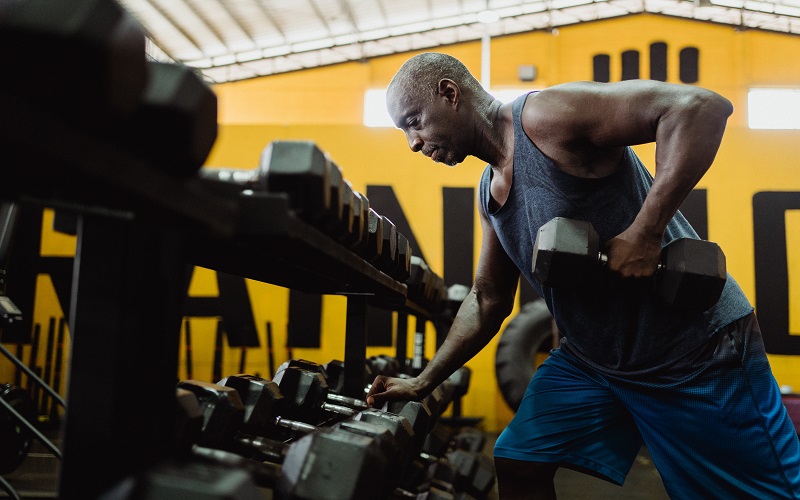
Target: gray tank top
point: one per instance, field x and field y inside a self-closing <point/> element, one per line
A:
<point x="616" y="325"/>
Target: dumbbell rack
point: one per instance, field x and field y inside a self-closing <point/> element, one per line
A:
<point x="139" y="232"/>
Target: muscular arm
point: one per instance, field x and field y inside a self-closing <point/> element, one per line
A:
<point x="478" y="320"/>
<point x="584" y="127"/>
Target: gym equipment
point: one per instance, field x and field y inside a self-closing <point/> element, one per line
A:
<point x="467" y="472"/>
<point x="306" y="396"/>
<point x="16" y="438"/>
<point x="359" y="211"/>
<point x="302" y="170"/>
<point x="215" y="475"/>
<point x="416" y="413"/>
<point x="360" y="221"/>
<point x="375" y="228"/>
<point x="82" y="60"/>
<point x="174" y="126"/>
<point x="404" y="252"/>
<point x="386" y="261"/>
<point x="333" y="464"/>
<point x="691" y="273"/>
<point x="306" y="464"/>
<point x="425" y="287"/>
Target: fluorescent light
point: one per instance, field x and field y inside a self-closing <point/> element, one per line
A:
<point x="488" y="16"/>
<point x="375" y="113"/>
<point x="774" y="109"/>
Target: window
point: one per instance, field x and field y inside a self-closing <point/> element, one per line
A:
<point x="773" y="108"/>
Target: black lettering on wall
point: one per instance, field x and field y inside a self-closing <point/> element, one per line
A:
<point x="771" y="269"/>
<point x="459" y="235"/>
<point x="658" y="61"/>
<point x="233" y="305"/>
<point x="630" y="65"/>
<point x="689" y="58"/>
<point x="379" y="327"/>
<point x="601" y="68"/>
<point x="305" y="320"/>
<point x="24" y="263"/>
<point x="689" y="70"/>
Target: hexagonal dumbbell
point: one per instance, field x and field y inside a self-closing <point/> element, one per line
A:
<point x="691" y="273"/>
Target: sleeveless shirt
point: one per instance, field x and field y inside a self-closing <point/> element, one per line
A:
<point x="616" y="325"/>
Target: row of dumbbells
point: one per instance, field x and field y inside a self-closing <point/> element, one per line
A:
<point x="320" y="195"/>
<point x="295" y="437"/>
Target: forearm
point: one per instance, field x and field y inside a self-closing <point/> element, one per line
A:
<point x="687" y="140"/>
<point x="478" y="320"/>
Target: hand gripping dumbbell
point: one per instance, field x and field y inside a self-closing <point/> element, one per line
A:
<point x="326" y="463"/>
<point x="395" y="433"/>
<point x="691" y="273"/>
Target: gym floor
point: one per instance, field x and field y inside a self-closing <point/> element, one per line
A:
<point x="643" y="482"/>
<point x="36" y="479"/>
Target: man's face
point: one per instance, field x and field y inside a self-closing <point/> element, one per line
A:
<point x="432" y="127"/>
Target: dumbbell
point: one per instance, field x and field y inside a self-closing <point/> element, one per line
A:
<point x="223" y="422"/>
<point x="691" y="273"/>
<point x="83" y="61"/>
<point x="361" y="208"/>
<point x="393" y="432"/>
<point x="307" y="397"/>
<point x="404" y="252"/>
<point x="386" y="261"/>
<point x="419" y="279"/>
<point x="374" y="237"/>
<point x="174" y="126"/>
<point x="307" y="468"/>
<point x="315" y="185"/>
<point x="16" y="438"/>
<point x="416" y="413"/>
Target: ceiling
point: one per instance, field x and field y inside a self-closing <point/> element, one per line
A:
<point x="229" y="40"/>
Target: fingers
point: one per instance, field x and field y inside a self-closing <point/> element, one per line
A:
<point x="377" y="388"/>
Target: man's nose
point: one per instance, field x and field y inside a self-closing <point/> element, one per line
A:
<point x="414" y="142"/>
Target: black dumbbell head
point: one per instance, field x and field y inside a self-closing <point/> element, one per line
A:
<point x="565" y="252"/>
<point x="83" y="60"/>
<point x="357" y="464"/>
<point x="692" y="274"/>
<point x="262" y="400"/>
<point x="403" y="267"/>
<point x="223" y="411"/>
<point x="375" y="229"/>
<point x="304" y="392"/>
<point x="174" y="126"/>
<point x="300" y="169"/>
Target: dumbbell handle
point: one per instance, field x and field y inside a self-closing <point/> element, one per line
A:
<point x="304" y="428"/>
<point x="294" y="425"/>
<point x="602" y="259"/>
<point x="338" y="399"/>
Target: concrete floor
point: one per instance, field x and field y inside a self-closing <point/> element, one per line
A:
<point x="643" y="482"/>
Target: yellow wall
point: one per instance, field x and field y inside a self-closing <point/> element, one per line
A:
<point x="325" y="105"/>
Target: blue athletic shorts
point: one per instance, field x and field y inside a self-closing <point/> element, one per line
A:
<point x="719" y="431"/>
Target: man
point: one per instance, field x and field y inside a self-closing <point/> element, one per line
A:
<point x="694" y="387"/>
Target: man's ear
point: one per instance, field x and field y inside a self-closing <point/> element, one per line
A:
<point x="450" y="90"/>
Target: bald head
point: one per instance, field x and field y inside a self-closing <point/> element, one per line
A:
<point x="418" y="78"/>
